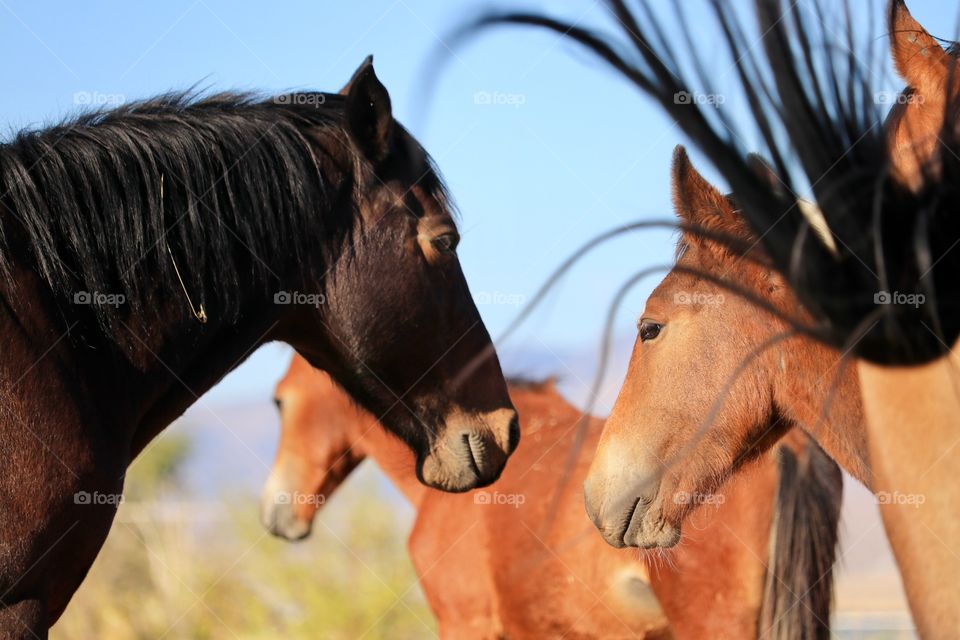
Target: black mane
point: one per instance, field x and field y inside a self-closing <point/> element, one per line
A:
<point x="243" y="179"/>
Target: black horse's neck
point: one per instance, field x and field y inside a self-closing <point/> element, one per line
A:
<point x="116" y="227"/>
<point x="190" y="363"/>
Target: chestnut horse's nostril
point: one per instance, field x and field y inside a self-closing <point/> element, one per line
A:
<point x="591" y="505"/>
<point x="279" y="517"/>
<point x="513" y="435"/>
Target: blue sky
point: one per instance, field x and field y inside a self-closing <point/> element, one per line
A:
<point x="562" y="151"/>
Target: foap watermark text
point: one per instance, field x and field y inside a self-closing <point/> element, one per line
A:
<point x="903" y="299"/>
<point x="298" y="298"/>
<point x="496" y="498"/>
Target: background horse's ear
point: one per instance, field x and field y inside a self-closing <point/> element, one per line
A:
<point x="368" y="112"/>
<point x="696" y="201"/>
<point x="811" y="212"/>
<point x="765" y="172"/>
<point x="919" y="58"/>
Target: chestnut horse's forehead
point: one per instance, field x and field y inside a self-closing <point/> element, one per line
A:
<point x="664" y="296"/>
<point x="684" y="286"/>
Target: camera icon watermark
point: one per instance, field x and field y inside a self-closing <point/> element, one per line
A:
<point x="301" y="99"/>
<point x="515" y="500"/>
<point x="897" y="498"/>
<point x="914" y="300"/>
<point x="96" y="498"/>
<point x="298" y="498"/>
<point x="499" y="298"/>
<point x="898" y="97"/>
<point x="695" y="297"/>
<point x="98" y="99"/>
<point x="99" y="299"/>
<point x="315" y="300"/>
<point x="687" y="98"/>
<point x="684" y="497"/>
<point x="499" y="98"/>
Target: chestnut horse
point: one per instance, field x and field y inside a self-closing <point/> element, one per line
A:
<point x="495" y="572"/>
<point x="655" y="444"/>
<point x="147" y="250"/>
<point x="890" y="198"/>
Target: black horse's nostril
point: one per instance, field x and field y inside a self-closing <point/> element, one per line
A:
<point x="514" y="435"/>
<point x="473" y="451"/>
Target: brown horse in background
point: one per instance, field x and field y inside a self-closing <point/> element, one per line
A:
<point x="746" y="560"/>
<point x="916" y="121"/>
<point x="147" y="250"/>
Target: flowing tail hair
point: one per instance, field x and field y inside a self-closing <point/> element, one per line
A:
<point x="798" y="595"/>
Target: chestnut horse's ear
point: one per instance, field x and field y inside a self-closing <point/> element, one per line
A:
<point x="919" y="58"/>
<point x="368" y="112"/>
<point x="695" y="201"/>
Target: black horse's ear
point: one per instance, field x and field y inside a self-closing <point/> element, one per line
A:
<point x="368" y="113"/>
<point x="367" y="62"/>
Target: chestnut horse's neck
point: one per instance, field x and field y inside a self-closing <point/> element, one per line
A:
<point x="818" y="390"/>
<point x="912" y="417"/>
<point x="393" y="457"/>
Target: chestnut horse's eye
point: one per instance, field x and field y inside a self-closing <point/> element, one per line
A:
<point x="649" y="330"/>
<point x="446" y="243"/>
<point x="279" y="405"/>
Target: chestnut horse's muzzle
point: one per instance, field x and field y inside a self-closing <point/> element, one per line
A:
<point x="628" y="512"/>
<point x="283" y="512"/>
<point x="282" y="520"/>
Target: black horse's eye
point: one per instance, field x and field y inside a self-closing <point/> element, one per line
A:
<point x="649" y="330"/>
<point x="446" y="243"/>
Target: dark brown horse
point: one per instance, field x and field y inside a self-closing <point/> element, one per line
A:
<point x="490" y="569"/>
<point x="146" y="251"/>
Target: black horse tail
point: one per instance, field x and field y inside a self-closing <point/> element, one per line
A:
<point x="798" y="596"/>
